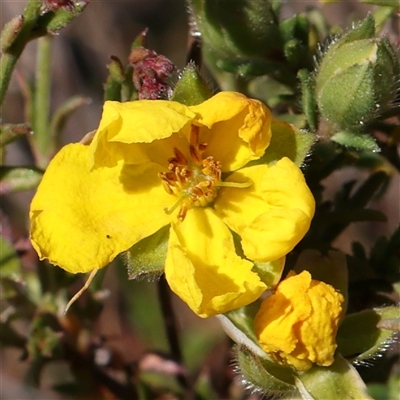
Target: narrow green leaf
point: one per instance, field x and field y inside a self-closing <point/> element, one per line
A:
<point x="16" y="179"/>
<point x="308" y="100"/>
<point x="361" y="141"/>
<point x="10" y="32"/>
<point x="11" y="132"/>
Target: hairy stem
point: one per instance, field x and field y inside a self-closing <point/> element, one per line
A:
<point x="170" y="327"/>
<point x="10" y="57"/>
<point x="41" y="106"/>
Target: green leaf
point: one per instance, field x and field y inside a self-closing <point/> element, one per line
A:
<point x="147" y="258"/>
<point x="116" y="76"/>
<point x="308" y="100"/>
<point x="191" y="88"/>
<point x="265" y="376"/>
<point x="337" y="382"/>
<point x="16" y="179"/>
<point x="10" y="31"/>
<point x="359" y="141"/>
<point x="11" y="132"/>
<point x="360" y="337"/>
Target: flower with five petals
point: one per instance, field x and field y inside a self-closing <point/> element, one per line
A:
<point x="157" y="163"/>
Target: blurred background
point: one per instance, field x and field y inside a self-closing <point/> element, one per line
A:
<point x="130" y="323"/>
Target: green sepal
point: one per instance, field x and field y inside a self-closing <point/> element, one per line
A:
<point x="308" y="100"/>
<point x="16" y="179"/>
<point x="364" y="30"/>
<point x="191" y="88"/>
<point x="53" y="21"/>
<point x="140" y="40"/>
<point x="146" y="259"/>
<point x="257" y="368"/>
<point x="347" y="98"/>
<point x="336" y="382"/>
<point x="287" y="141"/>
<point x="356" y="79"/>
<point x="116" y="76"/>
<point x="262" y="375"/>
<point x="359" y="141"/>
<point x="364" y="334"/>
<point x="270" y="272"/>
<point x="330" y="268"/>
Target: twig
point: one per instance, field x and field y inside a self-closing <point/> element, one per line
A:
<point x="171" y="331"/>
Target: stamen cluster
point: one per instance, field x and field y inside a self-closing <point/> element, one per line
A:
<point x="194" y="181"/>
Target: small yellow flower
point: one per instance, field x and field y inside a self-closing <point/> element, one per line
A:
<point x="157" y="163"/>
<point x="297" y="325"/>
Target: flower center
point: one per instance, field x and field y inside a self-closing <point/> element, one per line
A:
<point x="195" y="181"/>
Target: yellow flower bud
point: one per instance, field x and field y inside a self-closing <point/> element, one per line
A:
<point x="297" y="325"/>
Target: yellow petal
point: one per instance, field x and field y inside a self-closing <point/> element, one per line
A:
<point x="126" y="130"/>
<point x="238" y="128"/>
<point x="319" y="332"/>
<point x="297" y="325"/>
<point x="82" y="220"/>
<point x="203" y="269"/>
<point x="273" y="214"/>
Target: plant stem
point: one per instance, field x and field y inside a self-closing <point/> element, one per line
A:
<point x="41" y="105"/>
<point x="170" y="327"/>
<point x="10" y="57"/>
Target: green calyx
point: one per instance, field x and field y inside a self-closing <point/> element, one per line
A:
<point x="357" y="77"/>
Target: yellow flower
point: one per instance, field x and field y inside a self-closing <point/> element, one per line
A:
<point x="297" y="325"/>
<point x="155" y="163"/>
